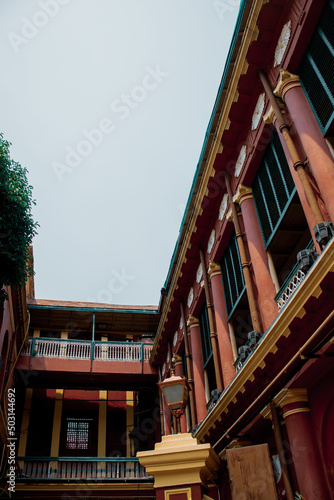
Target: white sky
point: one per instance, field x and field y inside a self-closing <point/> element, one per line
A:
<point x="108" y="225"/>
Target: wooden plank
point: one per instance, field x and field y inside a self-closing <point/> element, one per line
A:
<point x="251" y="473"/>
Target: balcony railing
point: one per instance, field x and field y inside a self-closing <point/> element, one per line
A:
<point x="89" y="350"/>
<point x="81" y="468"/>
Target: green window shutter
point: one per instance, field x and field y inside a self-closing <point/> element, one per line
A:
<point x="205" y="335"/>
<point x="316" y="71"/>
<point x="273" y="189"/>
<point x="232" y="275"/>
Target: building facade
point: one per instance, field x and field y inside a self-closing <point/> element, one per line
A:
<point x="246" y="312"/>
<point x="248" y="317"/>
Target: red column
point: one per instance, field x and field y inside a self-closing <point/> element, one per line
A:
<point x="198" y="369"/>
<point x="224" y="342"/>
<point x="296" y="179"/>
<point x="258" y="256"/>
<point x="304" y="449"/>
<point x="179" y="373"/>
<point x="311" y="137"/>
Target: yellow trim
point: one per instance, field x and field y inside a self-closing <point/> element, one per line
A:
<point x="243" y="193"/>
<point x="286" y="82"/>
<point x="102" y="428"/>
<point x="37" y="333"/>
<point x="178" y="492"/>
<point x="295" y="410"/>
<point x="129" y="421"/>
<point x="230" y="96"/>
<point x="192" y="321"/>
<point x="25" y="423"/>
<point x="55" y="440"/>
<point x="288" y="396"/>
<point x="280" y="328"/>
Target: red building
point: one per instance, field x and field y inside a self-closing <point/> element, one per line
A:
<point x="246" y="312"/>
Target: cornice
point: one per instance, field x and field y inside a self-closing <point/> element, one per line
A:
<point x="243" y="193"/>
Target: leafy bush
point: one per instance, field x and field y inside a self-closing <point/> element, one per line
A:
<point x="17" y="227"/>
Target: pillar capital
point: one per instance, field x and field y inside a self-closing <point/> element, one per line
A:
<point x="192" y="321"/>
<point x="242" y="194"/>
<point x="286" y="397"/>
<point x="286" y="82"/>
<point x="214" y="268"/>
<point x="176" y="358"/>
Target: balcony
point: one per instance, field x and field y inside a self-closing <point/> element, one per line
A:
<point x="119" y="362"/>
<point x="81" y="469"/>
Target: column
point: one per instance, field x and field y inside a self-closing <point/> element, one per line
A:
<point x="129" y="421"/>
<point x="179" y="373"/>
<point x="21" y="452"/>
<point x="55" y="439"/>
<point x="270" y="117"/>
<point x="224" y="342"/>
<point x="102" y="432"/>
<point x="63" y="345"/>
<point x="198" y="370"/>
<point x="314" y="144"/>
<point x="258" y="256"/>
<point x="304" y="448"/>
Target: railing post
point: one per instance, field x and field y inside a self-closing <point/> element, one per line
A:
<point x="93" y="340"/>
<point x="32" y="347"/>
<point x="142" y="352"/>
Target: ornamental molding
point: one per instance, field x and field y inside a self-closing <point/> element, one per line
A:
<point x="223" y="207"/>
<point x="168" y="357"/>
<point x="292" y="396"/>
<point x="229" y="216"/>
<point x="211" y="241"/>
<point x="286" y="82"/>
<point x="199" y="274"/>
<point x="258" y="111"/>
<point x="176" y="335"/>
<point x="240" y="161"/>
<point x="181" y="323"/>
<point x="192" y="321"/>
<point x="243" y="193"/>
<point x="270" y="116"/>
<point x="190" y="297"/>
<point x="282" y="44"/>
<point x="163" y="369"/>
<point x="214" y="268"/>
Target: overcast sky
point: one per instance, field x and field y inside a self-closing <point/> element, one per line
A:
<point x="106" y="102"/>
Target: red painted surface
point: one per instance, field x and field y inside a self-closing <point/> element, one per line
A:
<point x="198" y="372"/>
<point x="305" y="453"/>
<point x="225" y="348"/>
<point x="258" y="255"/>
<point x="313" y="143"/>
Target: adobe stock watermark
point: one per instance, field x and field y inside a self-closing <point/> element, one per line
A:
<point x="121" y="109"/>
<point x="40" y="19"/>
<point x="117" y="284"/>
<point x="223" y="7"/>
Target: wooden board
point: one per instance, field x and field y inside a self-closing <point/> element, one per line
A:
<point x="251" y="473"/>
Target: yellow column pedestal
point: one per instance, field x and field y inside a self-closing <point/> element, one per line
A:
<point x="179" y="459"/>
<point x="102" y="433"/>
<point x="55" y="440"/>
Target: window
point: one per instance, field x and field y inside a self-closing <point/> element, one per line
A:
<point x="316" y="70"/>
<point x="205" y="335"/>
<point x="77" y="435"/>
<point x="232" y="276"/>
<point x="273" y="189"/>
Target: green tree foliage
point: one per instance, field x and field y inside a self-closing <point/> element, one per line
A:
<point x="17" y="227"/>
